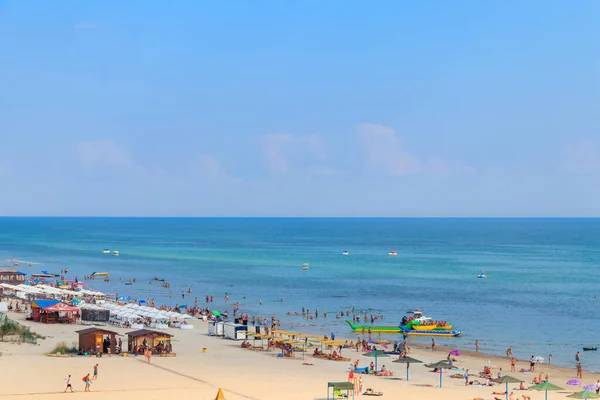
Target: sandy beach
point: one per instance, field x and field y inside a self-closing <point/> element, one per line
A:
<point x="242" y="374"/>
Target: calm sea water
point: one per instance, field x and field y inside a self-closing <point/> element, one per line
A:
<point x="540" y="295"/>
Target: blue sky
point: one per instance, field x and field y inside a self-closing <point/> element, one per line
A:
<point x="308" y="108"/>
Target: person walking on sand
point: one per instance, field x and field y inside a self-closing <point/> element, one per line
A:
<point x="509" y="352"/>
<point x="69" y="387"/>
<point x="360" y="384"/>
<point x="87" y="381"/>
<point x="96" y="372"/>
<point x="476" y="346"/>
<point x="432" y="344"/>
<point x="579" y="371"/>
<point x="466" y="376"/>
<point x="513" y="362"/>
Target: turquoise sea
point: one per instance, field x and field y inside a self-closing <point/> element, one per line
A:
<point x="539" y="297"/>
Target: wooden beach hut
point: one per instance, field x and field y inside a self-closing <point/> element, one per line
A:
<point x="97" y="340"/>
<point x="53" y="311"/>
<point x="158" y="342"/>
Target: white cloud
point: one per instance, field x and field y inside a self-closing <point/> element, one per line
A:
<point x="103" y="153"/>
<point x="283" y="150"/>
<point x="384" y="149"/>
<point x="207" y="166"/>
<point x="582" y="157"/>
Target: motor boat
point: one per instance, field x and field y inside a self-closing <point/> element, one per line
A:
<point x="482" y="275"/>
<point x="345" y="253"/>
<point x="305" y="266"/>
<point x="115" y="253"/>
<point x="393" y="253"/>
<point x="106" y="251"/>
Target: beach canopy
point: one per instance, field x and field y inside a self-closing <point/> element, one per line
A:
<point x="407" y="360"/>
<point x="335" y="386"/>
<point x="584" y="394"/>
<point x="376" y="354"/>
<point x="216" y="313"/>
<point x="545" y="386"/>
<point x="507" y="379"/>
<point x="573" y="382"/>
<point x="440" y="365"/>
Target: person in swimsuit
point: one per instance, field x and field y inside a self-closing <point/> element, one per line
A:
<point x="95" y="371"/>
<point x="88" y="382"/>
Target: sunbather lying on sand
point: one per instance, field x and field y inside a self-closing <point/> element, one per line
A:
<point x="371" y="392"/>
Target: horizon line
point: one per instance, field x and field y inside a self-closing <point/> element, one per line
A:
<point x="298" y="217"/>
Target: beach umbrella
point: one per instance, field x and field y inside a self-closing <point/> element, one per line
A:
<point x="407" y="360"/>
<point x="376" y="354"/>
<point x="455" y="353"/>
<point x="216" y="313"/>
<point x="440" y="365"/>
<point x="507" y="379"/>
<point x="573" y="382"/>
<point x="545" y="386"/>
<point x="584" y="394"/>
<point x="591" y="386"/>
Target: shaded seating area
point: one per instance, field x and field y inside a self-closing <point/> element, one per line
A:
<point x="98" y="341"/>
<point x="158" y="342"/>
<point x="340" y="389"/>
<point x="53" y="312"/>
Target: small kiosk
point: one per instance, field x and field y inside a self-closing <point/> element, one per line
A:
<point x="215" y="328"/>
<point x="234" y="331"/>
<point x="158" y="342"/>
<point x="97" y="340"/>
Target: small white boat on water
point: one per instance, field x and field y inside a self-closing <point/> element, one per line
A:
<point x="345" y="253"/>
<point x="305" y="266"/>
<point x="393" y="253"/>
<point x="115" y="253"/>
<point x="106" y="251"/>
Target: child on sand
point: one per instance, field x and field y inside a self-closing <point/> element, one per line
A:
<point x="95" y="371"/>
<point x="69" y="387"/>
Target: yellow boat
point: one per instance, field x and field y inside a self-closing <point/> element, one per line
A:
<point x="432" y="327"/>
<point x="100" y="274"/>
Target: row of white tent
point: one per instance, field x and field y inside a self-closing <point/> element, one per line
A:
<point x="50" y="290"/>
<point x="133" y="311"/>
